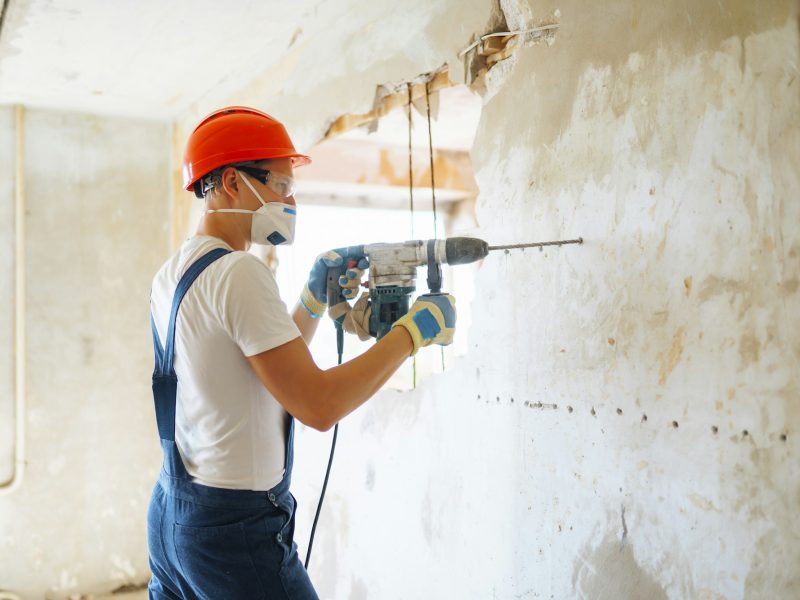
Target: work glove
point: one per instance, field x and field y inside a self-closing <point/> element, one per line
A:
<point x="314" y="296"/>
<point x="356" y="318"/>
<point x="430" y="320"/>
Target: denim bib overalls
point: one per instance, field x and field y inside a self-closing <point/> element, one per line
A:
<point x="212" y="543"/>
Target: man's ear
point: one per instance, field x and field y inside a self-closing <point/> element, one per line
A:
<point x="230" y="182"/>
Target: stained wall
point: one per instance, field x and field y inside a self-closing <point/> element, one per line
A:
<point x="592" y="441"/>
<point x="96" y="223"/>
<point x="625" y="424"/>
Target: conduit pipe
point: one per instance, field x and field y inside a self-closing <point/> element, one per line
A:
<point x="20" y="351"/>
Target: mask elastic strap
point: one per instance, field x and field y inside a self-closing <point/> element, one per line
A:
<point x="231" y="210"/>
<point x="241" y="210"/>
<point x="252" y="189"/>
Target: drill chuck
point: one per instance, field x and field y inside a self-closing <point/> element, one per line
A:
<point x="465" y="250"/>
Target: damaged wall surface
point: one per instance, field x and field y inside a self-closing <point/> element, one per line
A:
<point x="97" y="193"/>
<point x="626" y="422"/>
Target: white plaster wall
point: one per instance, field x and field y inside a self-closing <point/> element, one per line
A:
<point x="666" y="135"/>
<point x="97" y="205"/>
<point x="571" y="453"/>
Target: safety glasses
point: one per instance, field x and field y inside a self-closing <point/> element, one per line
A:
<point x="283" y="185"/>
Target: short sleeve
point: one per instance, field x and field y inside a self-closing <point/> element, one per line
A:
<point x="252" y="311"/>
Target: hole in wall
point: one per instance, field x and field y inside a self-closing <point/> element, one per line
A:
<point x="675" y="424"/>
<point x="360" y="175"/>
<point x="500" y="43"/>
<point x="714" y="429"/>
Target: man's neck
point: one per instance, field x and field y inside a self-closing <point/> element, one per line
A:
<point x="227" y="232"/>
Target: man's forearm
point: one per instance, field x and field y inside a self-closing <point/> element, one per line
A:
<point x="349" y="385"/>
<point x="305" y="322"/>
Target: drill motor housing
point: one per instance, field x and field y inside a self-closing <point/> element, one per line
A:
<point x="393" y="272"/>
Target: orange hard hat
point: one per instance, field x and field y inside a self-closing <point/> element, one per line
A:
<point x="235" y="134"/>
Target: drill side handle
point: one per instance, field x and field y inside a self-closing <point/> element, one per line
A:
<point x="434" y="269"/>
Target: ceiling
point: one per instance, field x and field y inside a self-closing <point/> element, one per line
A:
<point x="157" y="58"/>
<point x="161" y="59"/>
<point x="141" y="58"/>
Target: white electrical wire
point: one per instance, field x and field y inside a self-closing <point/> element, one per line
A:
<point x="505" y="33"/>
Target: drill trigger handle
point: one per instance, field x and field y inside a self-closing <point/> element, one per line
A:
<point x="334" y="290"/>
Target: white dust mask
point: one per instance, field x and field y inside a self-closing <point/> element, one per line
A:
<point x="273" y="222"/>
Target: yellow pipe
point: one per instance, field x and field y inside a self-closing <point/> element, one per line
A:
<point x="20" y="352"/>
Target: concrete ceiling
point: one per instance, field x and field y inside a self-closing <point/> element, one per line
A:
<point x="160" y="59"/>
<point x="157" y="59"/>
<point x="144" y="58"/>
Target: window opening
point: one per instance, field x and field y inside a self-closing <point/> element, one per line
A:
<point x="357" y="191"/>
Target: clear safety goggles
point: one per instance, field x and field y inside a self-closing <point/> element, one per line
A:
<point x="283" y="185"/>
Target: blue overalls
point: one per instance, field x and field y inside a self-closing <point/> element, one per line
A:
<point x="212" y="543"/>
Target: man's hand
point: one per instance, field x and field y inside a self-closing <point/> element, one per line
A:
<point x="356" y="319"/>
<point x="430" y="320"/>
<point x="315" y="293"/>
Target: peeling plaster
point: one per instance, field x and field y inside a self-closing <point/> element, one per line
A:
<point x="548" y="461"/>
<point x="96" y="235"/>
<point x="668" y="138"/>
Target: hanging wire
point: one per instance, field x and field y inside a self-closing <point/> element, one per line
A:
<point x="411" y="198"/>
<point x="433" y="180"/>
<point x="410" y="163"/>
<point x="430" y="153"/>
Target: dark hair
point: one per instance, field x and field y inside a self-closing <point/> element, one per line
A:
<point x="213" y="179"/>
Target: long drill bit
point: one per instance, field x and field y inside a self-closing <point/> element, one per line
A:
<point x="536" y="244"/>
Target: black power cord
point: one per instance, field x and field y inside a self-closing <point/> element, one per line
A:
<point x="340" y="350"/>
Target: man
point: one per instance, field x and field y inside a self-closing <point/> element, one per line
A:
<point x="233" y="371"/>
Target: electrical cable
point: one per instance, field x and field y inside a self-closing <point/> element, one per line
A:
<point x="430" y="153"/>
<point x="340" y="351"/>
<point x="3" y="11"/>
<point x="410" y="163"/>
<point x="340" y="331"/>
<point x="433" y="180"/>
<point x="507" y="33"/>
<point x="411" y="197"/>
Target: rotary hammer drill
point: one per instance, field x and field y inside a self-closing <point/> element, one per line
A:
<point x="393" y="272"/>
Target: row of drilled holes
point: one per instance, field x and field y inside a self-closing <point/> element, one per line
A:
<point x="674" y="424"/>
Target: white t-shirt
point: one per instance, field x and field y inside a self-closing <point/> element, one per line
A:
<point x="229" y="430"/>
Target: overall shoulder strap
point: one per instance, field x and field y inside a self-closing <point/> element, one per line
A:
<point x="164" y="358"/>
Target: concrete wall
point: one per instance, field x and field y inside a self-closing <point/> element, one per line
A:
<point x="97" y="206"/>
<point x="626" y="422"/>
<point x="591" y="443"/>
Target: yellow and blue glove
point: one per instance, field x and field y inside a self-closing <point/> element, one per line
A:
<point x="430" y="320"/>
<point x="314" y="296"/>
<point x="355" y="319"/>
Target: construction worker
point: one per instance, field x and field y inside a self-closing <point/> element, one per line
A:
<point x="233" y="371"/>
